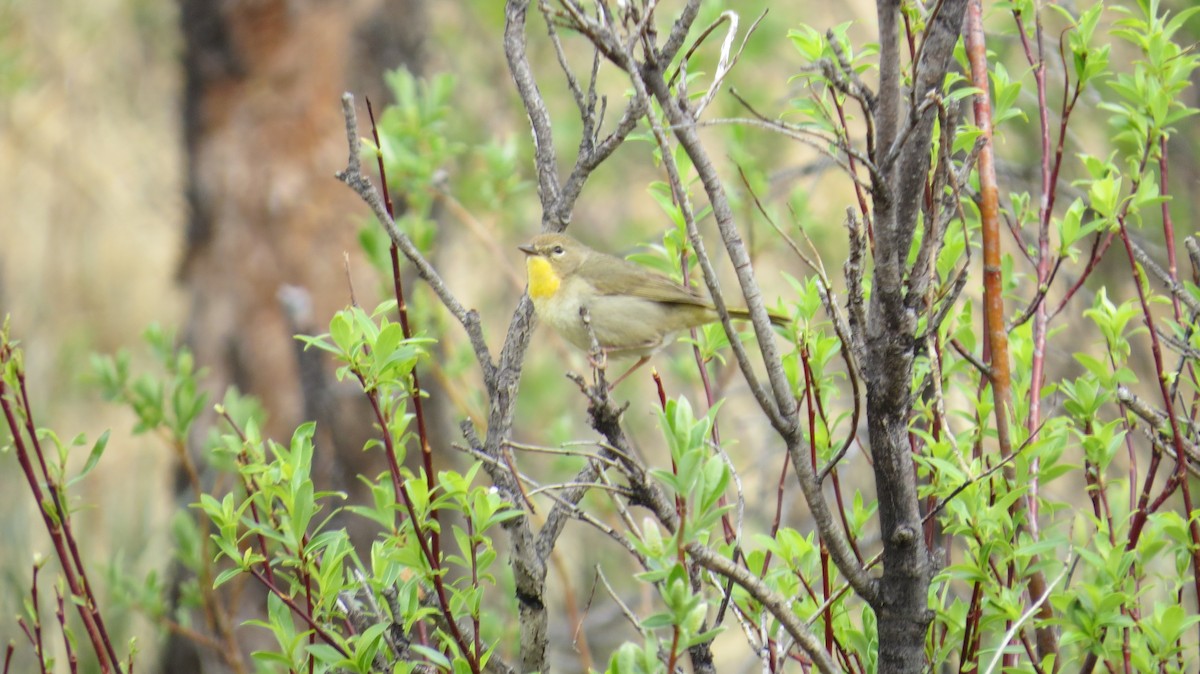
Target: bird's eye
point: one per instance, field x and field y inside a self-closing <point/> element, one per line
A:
<point x="558" y="250"/>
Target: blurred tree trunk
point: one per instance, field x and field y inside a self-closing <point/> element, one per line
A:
<point x="264" y="135"/>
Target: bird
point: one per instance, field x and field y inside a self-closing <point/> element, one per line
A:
<point x="634" y="311"/>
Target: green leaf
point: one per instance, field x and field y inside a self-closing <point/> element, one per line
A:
<point x="93" y="458"/>
<point x="341" y="330"/>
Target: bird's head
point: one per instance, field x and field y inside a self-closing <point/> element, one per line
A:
<point x="550" y="258"/>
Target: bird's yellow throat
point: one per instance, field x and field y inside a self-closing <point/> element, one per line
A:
<point x="543" y="280"/>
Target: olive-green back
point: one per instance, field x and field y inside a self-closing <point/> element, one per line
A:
<point x="611" y="275"/>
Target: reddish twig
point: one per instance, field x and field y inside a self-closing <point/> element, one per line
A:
<point x="989" y="208"/>
<point x="51" y="507"/>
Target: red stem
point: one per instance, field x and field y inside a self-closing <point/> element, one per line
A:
<point x="402" y="309"/>
<point x="435" y="562"/>
<point x="432" y="550"/>
<point x="709" y="395"/>
<point x="859" y="192"/>
<point x="1045" y="210"/>
<point x="59" y="534"/>
<point x="251" y="487"/>
<point x="304" y="615"/>
<point x="970" y="644"/>
<point x="61" y="504"/>
<point x="1161" y="376"/>
<point x="1172" y="272"/>
<point x="780" y="490"/>
<point x="61" y="614"/>
<point x="39" y="646"/>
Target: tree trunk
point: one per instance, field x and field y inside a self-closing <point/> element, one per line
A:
<point x="902" y="605"/>
<point x="264" y="136"/>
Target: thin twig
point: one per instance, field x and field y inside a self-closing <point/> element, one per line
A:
<point x="354" y="178"/>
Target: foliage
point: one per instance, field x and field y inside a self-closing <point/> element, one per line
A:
<point x="1053" y="487"/>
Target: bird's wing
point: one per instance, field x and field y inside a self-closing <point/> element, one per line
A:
<point x="612" y="277"/>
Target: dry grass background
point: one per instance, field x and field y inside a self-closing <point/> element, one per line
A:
<point x="91" y="219"/>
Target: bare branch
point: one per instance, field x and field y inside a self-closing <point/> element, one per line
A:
<point x="776" y="604"/>
<point x="1174" y="287"/>
<point x="545" y="159"/>
<point x="781" y="410"/>
<point x="353" y="177"/>
<point x="1159" y="422"/>
<point x="811" y="138"/>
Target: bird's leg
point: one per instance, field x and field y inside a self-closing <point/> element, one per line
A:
<point x="598" y="359"/>
<point x="641" y="362"/>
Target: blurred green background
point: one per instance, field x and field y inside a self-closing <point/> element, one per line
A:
<point x="93" y="216"/>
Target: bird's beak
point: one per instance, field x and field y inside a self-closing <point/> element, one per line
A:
<point x="528" y="249"/>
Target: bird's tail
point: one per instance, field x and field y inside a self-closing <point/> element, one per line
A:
<point x="777" y="318"/>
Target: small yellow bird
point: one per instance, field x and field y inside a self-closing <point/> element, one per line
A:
<point x="634" y="311"/>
